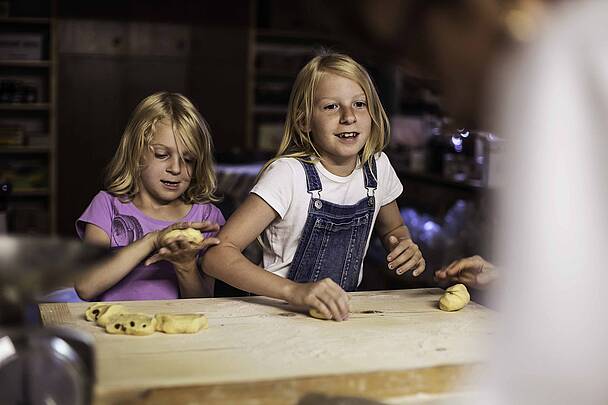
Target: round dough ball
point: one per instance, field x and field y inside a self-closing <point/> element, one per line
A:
<point x="190" y="234"/>
<point x="455" y="298"/>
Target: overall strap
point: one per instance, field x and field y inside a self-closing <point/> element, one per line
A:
<point x="370" y="174"/>
<point x="313" y="182"/>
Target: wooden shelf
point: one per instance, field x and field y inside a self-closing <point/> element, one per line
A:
<point x="25" y="63"/>
<point x="5" y="150"/>
<point x="24" y="106"/>
<point x="271" y="35"/>
<point x="34" y="192"/>
<point x="475" y="185"/>
<point x="25" y="20"/>
<point x="276" y="76"/>
<point x="40" y="155"/>
<point x="270" y="109"/>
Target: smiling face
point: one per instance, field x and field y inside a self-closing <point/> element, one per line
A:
<point x="340" y="124"/>
<point x="167" y="166"/>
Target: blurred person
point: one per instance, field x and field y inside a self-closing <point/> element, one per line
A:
<point x="536" y="73"/>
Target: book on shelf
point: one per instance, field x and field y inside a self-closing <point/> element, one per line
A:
<point x="11" y="136"/>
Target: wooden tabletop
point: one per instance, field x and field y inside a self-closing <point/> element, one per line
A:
<point x="257" y="350"/>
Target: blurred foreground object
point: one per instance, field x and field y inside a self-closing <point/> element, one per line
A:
<point x="552" y="100"/>
<point x="42" y="365"/>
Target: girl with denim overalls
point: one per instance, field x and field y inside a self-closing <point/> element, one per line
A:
<point x="315" y="204"/>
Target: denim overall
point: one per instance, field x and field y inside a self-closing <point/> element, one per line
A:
<point x="334" y="236"/>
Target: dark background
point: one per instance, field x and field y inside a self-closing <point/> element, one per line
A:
<point x="236" y="60"/>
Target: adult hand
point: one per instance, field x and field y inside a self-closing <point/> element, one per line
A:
<point x="471" y="271"/>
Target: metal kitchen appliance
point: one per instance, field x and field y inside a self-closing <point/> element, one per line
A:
<point x="42" y="365"/>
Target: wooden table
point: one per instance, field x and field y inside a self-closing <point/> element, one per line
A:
<point x="396" y="345"/>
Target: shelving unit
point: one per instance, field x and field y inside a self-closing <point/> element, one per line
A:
<point x="28" y="118"/>
<point x="278" y="56"/>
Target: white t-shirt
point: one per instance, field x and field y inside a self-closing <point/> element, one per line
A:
<point x="283" y="187"/>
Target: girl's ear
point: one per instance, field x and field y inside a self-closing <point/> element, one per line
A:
<point x="303" y="126"/>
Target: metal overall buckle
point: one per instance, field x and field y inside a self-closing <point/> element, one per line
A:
<point x="370" y="197"/>
<point x="317" y="199"/>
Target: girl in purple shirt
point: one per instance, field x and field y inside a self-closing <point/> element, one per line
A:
<point x="161" y="178"/>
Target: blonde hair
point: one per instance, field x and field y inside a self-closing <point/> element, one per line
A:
<point x="124" y="171"/>
<point x="296" y="142"/>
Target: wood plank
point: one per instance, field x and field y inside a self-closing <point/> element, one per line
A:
<point x="55" y="314"/>
<point x="426" y="384"/>
<point x="258" y="340"/>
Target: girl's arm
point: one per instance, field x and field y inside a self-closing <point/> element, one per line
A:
<point x="181" y="253"/>
<point x="404" y="255"/>
<point x="226" y="262"/>
<point x="104" y="276"/>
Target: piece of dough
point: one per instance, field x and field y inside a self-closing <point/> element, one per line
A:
<point x="180" y="323"/>
<point x="455" y="298"/>
<point x="190" y="234"/>
<point x="94" y="311"/>
<point x="319" y="315"/>
<point x="131" y="324"/>
<point x="110" y="312"/>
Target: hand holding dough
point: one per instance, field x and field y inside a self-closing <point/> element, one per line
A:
<point x="319" y="315"/>
<point x="455" y="298"/>
<point x="190" y="234"/>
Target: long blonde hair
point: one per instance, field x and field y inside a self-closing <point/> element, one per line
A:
<point x="296" y="141"/>
<point x="124" y="171"/>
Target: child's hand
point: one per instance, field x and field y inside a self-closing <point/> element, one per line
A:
<point x="325" y="296"/>
<point x="179" y="250"/>
<point x="405" y="256"/>
<point x="471" y="271"/>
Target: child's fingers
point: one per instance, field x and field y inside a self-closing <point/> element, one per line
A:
<point x="321" y="307"/>
<point x="209" y="242"/>
<point x="420" y="267"/>
<point x="153" y="259"/>
<point x="397" y="250"/>
<point x="399" y="260"/>
<point x="337" y="305"/>
<point x="340" y="298"/>
<point x="334" y="309"/>
<point x="333" y="296"/>
<point x="179" y="225"/>
<point x="206" y="226"/>
<point x="409" y="264"/>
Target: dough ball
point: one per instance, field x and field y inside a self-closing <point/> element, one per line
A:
<point x="455" y="298"/>
<point x="190" y="234"/>
<point x="131" y="324"/>
<point x="319" y="315"/>
<point x="110" y="312"/>
<point x="180" y="323"/>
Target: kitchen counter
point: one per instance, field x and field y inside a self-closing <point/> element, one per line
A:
<point x="396" y="344"/>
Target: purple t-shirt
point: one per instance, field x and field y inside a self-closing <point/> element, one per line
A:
<point x="125" y="223"/>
